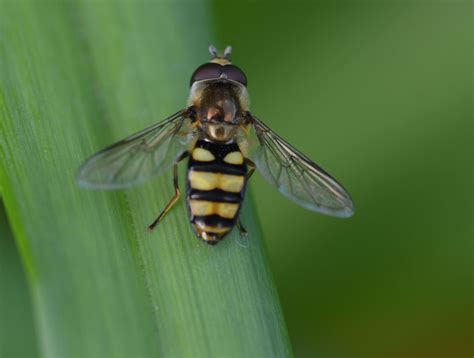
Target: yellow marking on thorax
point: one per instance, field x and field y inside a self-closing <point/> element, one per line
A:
<point x="204" y="207"/>
<point x="203" y="155"/>
<point x="210" y="181"/>
<point x="234" y="158"/>
<point x="221" y="61"/>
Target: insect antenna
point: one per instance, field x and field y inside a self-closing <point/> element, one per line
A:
<point x="214" y="54"/>
<point x="227" y="52"/>
<point x="213" y="51"/>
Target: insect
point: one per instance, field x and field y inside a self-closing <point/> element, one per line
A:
<point x="224" y="143"/>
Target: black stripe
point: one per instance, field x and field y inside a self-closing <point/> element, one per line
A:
<point x="214" y="221"/>
<point x="216" y="195"/>
<point x="223" y="168"/>
<point x="218" y="165"/>
<point x="220" y="150"/>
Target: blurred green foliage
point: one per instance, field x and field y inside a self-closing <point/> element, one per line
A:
<point x="380" y="94"/>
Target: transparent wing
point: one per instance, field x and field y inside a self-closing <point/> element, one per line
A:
<point x="139" y="157"/>
<point x="296" y="176"/>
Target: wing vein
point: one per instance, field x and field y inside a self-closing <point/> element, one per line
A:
<point x="295" y="175"/>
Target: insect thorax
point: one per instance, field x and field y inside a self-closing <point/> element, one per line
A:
<point x="219" y="99"/>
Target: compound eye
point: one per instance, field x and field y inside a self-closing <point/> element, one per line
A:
<point x="235" y="74"/>
<point x="208" y="71"/>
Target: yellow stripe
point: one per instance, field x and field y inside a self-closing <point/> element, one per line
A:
<point x="227" y="210"/>
<point x="210" y="181"/>
<point x="231" y="183"/>
<point x="203" y="155"/>
<point x="203" y="235"/>
<point x="203" y="180"/>
<point x="213" y="229"/>
<point x="234" y="158"/>
<point x="204" y="207"/>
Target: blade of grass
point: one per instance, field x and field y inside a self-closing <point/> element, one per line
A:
<point x="75" y="77"/>
<point x="17" y="335"/>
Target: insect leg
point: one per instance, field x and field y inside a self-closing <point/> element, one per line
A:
<point x="242" y="230"/>
<point x="251" y="168"/>
<point x="251" y="165"/>
<point x="174" y="199"/>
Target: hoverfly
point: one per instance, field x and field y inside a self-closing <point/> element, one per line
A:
<point x="224" y="143"/>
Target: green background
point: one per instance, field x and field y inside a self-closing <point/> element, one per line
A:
<point x="379" y="93"/>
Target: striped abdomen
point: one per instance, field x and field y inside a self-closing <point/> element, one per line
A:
<point x="215" y="188"/>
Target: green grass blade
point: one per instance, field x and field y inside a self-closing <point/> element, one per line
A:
<point x="17" y="334"/>
<point x="75" y="77"/>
